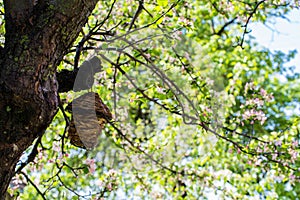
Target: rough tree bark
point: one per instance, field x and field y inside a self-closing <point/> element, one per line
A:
<point x="38" y="34"/>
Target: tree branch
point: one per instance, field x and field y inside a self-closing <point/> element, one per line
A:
<point x="247" y="22"/>
<point x="34" y="185"/>
<point x="31" y="156"/>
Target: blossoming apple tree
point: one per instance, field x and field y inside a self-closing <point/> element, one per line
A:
<point x="198" y="106"/>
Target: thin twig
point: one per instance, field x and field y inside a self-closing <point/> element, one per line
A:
<point x="247" y="22"/>
<point x="32" y="183"/>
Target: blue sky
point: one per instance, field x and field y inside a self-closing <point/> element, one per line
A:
<point x="285" y="38"/>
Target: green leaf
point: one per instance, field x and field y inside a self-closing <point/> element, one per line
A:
<point x="162" y="3"/>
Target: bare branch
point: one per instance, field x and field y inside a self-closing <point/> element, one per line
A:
<point x="247" y="22"/>
<point x="31" y="156"/>
<point x="35" y="186"/>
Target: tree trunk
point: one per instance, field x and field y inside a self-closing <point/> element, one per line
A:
<point x="37" y="37"/>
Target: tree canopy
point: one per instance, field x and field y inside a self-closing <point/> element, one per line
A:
<point x="198" y="106"/>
